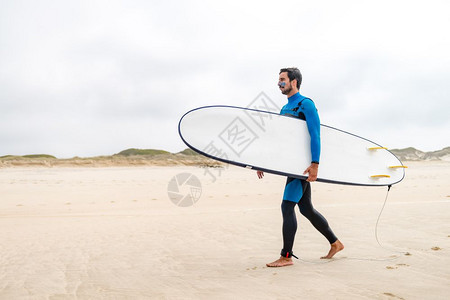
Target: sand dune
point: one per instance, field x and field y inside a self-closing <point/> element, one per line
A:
<point x="114" y="233"/>
<point x="109" y="161"/>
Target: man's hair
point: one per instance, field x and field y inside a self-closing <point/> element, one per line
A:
<point x="293" y="73"/>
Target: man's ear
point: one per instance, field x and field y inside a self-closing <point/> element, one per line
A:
<point x="294" y="83"/>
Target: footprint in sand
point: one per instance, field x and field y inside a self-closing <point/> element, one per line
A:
<point x="436" y="248"/>
<point x="392" y="295"/>
<point x="396" y="266"/>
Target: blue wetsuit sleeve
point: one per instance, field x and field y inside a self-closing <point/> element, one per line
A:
<point x="313" y="123"/>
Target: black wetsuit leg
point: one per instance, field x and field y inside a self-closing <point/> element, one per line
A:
<point x="289" y="224"/>
<point x="316" y="219"/>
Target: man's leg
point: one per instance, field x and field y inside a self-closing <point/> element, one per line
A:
<point x="318" y="221"/>
<point x="289" y="226"/>
<point x="289" y="230"/>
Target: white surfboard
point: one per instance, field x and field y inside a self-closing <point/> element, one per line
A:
<point x="280" y="144"/>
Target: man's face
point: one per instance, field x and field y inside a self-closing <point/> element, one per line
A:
<point x="284" y="83"/>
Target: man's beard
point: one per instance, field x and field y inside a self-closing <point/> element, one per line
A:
<point x="286" y="91"/>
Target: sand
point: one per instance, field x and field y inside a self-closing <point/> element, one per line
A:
<point x="114" y="233"/>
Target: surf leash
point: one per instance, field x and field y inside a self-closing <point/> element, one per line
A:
<point x="287" y="254"/>
<point x="379" y="216"/>
<point x="376" y="226"/>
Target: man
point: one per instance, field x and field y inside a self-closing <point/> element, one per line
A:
<point x="298" y="191"/>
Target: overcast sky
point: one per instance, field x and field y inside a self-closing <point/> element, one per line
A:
<point x="86" y="78"/>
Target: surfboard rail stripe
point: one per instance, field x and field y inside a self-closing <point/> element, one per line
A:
<point x="377" y="148"/>
<point x="398" y="167"/>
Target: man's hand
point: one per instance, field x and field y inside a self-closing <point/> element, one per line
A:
<point x="260" y="174"/>
<point x="312" y="172"/>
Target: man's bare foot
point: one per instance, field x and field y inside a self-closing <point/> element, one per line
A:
<point x="281" y="262"/>
<point x="335" y="248"/>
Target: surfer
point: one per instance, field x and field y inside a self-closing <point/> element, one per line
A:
<point x="298" y="191"/>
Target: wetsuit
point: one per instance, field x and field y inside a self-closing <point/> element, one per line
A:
<point x="298" y="191"/>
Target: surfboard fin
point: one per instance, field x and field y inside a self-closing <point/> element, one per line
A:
<point x="380" y="176"/>
<point x="377" y="148"/>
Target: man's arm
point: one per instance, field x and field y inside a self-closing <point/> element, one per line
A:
<point x="313" y="124"/>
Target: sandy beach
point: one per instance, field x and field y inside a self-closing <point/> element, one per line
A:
<point x="115" y="233"/>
